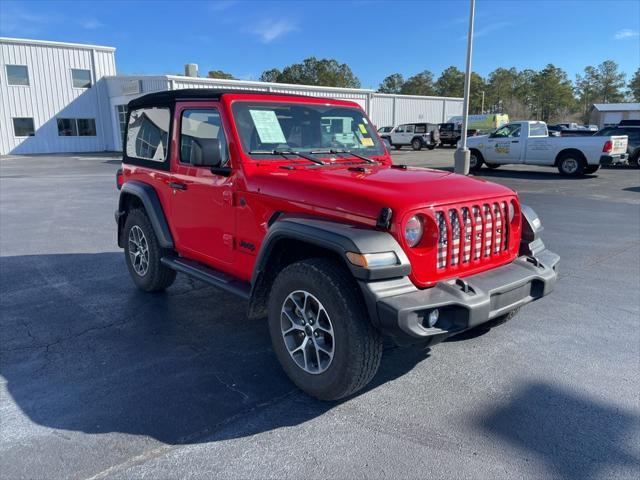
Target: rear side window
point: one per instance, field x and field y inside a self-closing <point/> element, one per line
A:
<point x="409" y="129"/>
<point x="198" y="127"/>
<point x="148" y="134"/>
<point x="538" y="130"/>
<point x="421" y="128"/>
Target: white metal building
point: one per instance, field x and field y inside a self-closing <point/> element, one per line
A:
<point x="51" y="99"/>
<point x="605" y="114"/>
<point x="62" y="97"/>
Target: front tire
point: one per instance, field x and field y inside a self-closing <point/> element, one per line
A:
<point x="492" y="166"/>
<point x="143" y="253"/>
<point x="320" y="330"/>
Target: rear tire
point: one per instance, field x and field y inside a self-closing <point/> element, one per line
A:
<point x="589" y="169"/>
<point x="143" y="253"/>
<point x="571" y="165"/>
<point x="475" y="161"/>
<point x="431" y="146"/>
<point x="298" y="328"/>
<point x="416" y="144"/>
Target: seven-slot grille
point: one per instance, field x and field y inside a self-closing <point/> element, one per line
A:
<point x="485" y="228"/>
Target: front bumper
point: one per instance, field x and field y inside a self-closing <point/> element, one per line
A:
<point x="613" y="159"/>
<point x="401" y="310"/>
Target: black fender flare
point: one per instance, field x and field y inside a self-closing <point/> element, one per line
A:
<point x="334" y="236"/>
<point x="151" y="203"/>
<point x="531" y="242"/>
<point x="339" y="238"/>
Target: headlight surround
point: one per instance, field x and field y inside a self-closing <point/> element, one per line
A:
<point x="413" y="231"/>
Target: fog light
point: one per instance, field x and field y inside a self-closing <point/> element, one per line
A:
<point x="433" y="317"/>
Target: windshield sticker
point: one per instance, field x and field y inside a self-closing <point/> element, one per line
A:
<point x="267" y="125"/>
<point x="367" y="142"/>
<point x="503" y="147"/>
<point x="362" y="128"/>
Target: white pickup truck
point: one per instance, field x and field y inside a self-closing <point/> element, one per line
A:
<point x="529" y="143"/>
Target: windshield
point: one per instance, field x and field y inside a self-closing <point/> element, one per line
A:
<point x="265" y="127"/>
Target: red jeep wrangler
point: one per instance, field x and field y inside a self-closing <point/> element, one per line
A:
<point x="294" y="204"/>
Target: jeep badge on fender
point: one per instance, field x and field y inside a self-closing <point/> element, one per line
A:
<point x="331" y="242"/>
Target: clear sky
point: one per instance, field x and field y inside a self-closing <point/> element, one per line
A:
<point x="376" y="38"/>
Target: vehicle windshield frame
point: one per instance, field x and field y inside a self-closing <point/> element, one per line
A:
<point x="240" y="107"/>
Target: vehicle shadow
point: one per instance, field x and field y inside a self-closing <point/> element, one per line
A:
<point x="577" y="437"/>
<point x="503" y="172"/>
<point x="83" y="350"/>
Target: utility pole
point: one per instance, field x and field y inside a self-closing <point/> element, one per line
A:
<point x="482" y="108"/>
<point x="462" y="155"/>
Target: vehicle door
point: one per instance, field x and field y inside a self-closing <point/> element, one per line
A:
<point x="397" y="135"/>
<point x="408" y="134"/>
<point x="540" y="147"/>
<point x="503" y="145"/>
<point x="202" y="203"/>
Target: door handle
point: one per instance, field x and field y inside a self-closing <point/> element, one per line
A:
<point x="177" y="186"/>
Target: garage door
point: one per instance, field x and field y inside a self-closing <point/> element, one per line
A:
<point x="611" y="118"/>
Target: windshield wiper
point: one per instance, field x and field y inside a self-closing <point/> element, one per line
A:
<point x="283" y="153"/>
<point x="348" y="152"/>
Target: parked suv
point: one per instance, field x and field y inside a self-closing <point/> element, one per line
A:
<point x="293" y="204"/>
<point x="451" y="133"/>
<point x="417" y="135"/>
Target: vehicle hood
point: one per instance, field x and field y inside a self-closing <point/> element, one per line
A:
<point x="476" y="139"/>
<point x="362" y="192"/>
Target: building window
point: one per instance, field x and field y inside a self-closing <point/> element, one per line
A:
<point x="86" y="127"/>
<point x="23" y="127"/>
<point x="67" y="127"/>
<point x="17" y="75"/>
<point x="121" y="113"/>
<point x="76" y="127"/>
<point x="148" y="133"/>
<point x="81" y="78"/>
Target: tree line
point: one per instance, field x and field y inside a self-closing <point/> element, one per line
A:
<point x="546" y="94"/>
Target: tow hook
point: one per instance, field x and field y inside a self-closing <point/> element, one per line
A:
<point x="535" y="261"/>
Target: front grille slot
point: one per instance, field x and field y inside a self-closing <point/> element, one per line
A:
<point x="471" y="233"/>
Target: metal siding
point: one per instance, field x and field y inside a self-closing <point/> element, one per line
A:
<point x="50" y="94"/>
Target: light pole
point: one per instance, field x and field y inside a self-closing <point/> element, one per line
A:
<point x="461" y="157"/>
<point x="482" y="107"/>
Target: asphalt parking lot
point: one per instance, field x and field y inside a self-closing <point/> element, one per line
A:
<point x="102" y="381"/>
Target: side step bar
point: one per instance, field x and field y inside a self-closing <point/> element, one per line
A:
<point x="208" y="275"/>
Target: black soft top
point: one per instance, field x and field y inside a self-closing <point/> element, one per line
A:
<point x="169" y="97"/>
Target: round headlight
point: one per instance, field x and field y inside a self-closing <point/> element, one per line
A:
<point x="413" y="231"/>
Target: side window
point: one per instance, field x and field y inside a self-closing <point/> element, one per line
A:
<point x="409" y="129"/>
<point x="199" y="126"/>
<point x="421" y="128"/>
<point x="147" y="134"/>
<point x="400" y="129"/>
<point x="537" y="130"/>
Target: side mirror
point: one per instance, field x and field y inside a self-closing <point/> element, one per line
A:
<point x="206" y="152"/>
